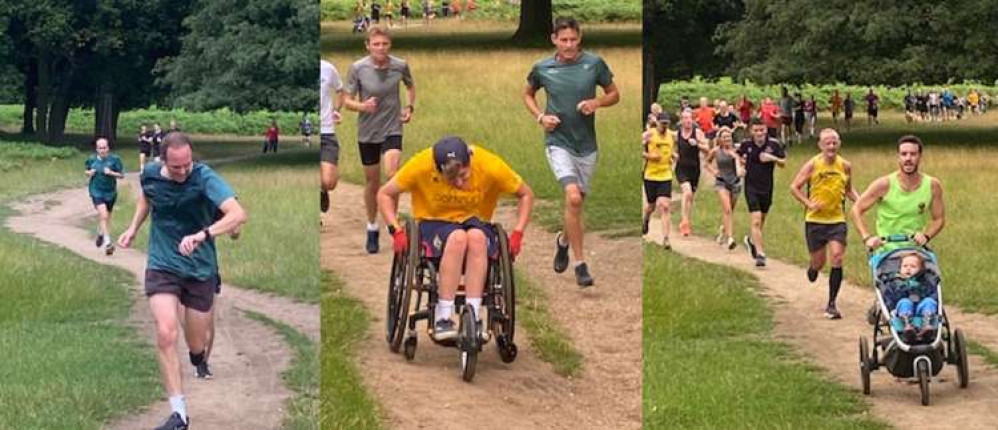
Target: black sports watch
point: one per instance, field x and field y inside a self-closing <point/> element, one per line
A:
<point x="207" y="233"/>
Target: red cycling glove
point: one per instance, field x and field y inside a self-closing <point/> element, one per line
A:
<point x="515" y="242"/>
<point x="399" y="241"/>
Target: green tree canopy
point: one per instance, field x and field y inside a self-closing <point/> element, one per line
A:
<point x="247" y="55"/>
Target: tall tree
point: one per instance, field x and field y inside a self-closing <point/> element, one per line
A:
<point x="535" y="20"/>
<point x="247" y="55"/>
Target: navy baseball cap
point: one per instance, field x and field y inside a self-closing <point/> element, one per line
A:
<point x="450" y="148"/>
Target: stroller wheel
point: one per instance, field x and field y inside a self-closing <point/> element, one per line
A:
<point x="864" y="364"/>
<point x="922" y="369"/>
<point x="960" y="350"/>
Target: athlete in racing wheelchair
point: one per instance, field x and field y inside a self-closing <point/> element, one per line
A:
<point x="455" y="188"/>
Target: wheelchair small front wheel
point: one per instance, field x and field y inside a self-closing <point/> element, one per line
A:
<point x="507" y="349"/>
<point x="409" y="348"/>
<point x="469" y="344"/>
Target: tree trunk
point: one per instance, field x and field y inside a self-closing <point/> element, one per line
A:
<point x="30" y="81"/>
<point x="104" y="117"/>
<point x="43" y="97"/>
<point x="535" y="21"/>
<point x="59" y="109"/>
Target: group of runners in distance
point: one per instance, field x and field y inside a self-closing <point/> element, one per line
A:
<point x="378" y="12"/>
<point x="909" y="202"/>
<point x="455" y="186"/>
<point x="190" y="205"/>
<point x="945" y="105"/>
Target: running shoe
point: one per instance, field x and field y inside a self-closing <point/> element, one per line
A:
<point x="561" y="254"/>
<point x="750" y="246"/>
<point x="202" y="371"/>
<point x="731" y="243"/>
<point x="832" y="313"/>
<point x="323" y="201"/>
<point x="372" y="242"/>
<point x="720" y="235"/>
<point x="760" y="260"/>
<point x="109" y="249"/>
<point x="175" y="422"/>
<point x="582" y="277"/>
<point x="644" y="223"/>
<point x="100" y="240"/>
<point x="444" y="330"/>
<point x="812" y="274"/>
<point x="665" y="244"/>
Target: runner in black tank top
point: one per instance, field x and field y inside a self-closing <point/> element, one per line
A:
<point x="690" y="142"/>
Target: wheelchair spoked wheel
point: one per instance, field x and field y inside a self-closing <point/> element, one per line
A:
<point x="505" y="300"/>
<point x="468" y="343"/>
<point x="400" y="291"/>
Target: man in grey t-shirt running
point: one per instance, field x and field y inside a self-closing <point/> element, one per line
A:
<point x="373" y="88"/>
<point x="570" y="78"/>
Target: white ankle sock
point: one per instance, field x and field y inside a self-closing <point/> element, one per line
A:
<point x="444" y="309"/>
<point x="177" y="405"/>
<point x="476" y="304"/>
<point x="372" y="226"/>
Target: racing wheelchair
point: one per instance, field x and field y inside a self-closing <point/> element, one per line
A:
<point x="414" y="279"/>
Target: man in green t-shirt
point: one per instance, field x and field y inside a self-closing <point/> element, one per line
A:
<point x="104" y="169"/>
<point x="569" y="78"/>
<point x="183" y="198"/>
<point x="908" y="201"/>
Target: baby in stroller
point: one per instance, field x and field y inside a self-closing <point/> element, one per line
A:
<point x="912" y="296"/>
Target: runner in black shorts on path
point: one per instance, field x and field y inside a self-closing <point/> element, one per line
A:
<point x="690" y="142"/>
<point x="759" y="155"/>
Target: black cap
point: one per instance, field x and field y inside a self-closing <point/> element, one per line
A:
<point x="450" y="148"/>
<point x="663" y="118"/>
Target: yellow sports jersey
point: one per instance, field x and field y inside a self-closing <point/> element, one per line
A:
<point x="662" y="144"/>
<point x="433" y="198"/>
<point x="827" y="185"/>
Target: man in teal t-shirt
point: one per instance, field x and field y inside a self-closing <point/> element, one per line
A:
<point x="104" y="169"/>
<point x="569" y="78"/>
<point x="183" y="197"/>
<point x="908" y="201"/>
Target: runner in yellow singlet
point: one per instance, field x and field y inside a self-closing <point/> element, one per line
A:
<point x="659" y="155"/>
<point x="828" y="178"/>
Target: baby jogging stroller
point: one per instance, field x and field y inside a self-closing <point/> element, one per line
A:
<point x="902" y="356"/>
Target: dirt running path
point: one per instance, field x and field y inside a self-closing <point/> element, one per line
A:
<point x="604" y="323"/>
<point x="833" y="345"/>
<point x="247" y="391"/>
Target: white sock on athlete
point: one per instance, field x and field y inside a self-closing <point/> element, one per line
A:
<point x="178" y="405"/>
<point x="476" y="304"/>
<point x="372" y="226"/>
<point x="444" y="309"/>
<point x="579" y="263"/>
<point x="562" y="240"/>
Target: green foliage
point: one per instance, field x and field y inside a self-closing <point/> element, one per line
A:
<point x="247" y="55"/>
<point x="892" y="42"/>
<point x="586" y="11"/>
<point x="679" y="36"/>
<point x="220" y="121"/>
<point x="709" y="361"/>
<point x="17" y="155"/>
<point x="726" y="88"/>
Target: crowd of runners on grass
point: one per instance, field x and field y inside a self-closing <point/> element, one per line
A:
<point x="368" y="14"/>
<point x="908" y="201"/>
<point x="454" y="185"/>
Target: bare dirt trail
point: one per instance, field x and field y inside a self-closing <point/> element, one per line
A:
<point x="248" y="357"/>
<point x="604" y="323"/>
<point x="833" y="345"/>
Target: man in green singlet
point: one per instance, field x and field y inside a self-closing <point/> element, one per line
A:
<point x="908" y="202"/>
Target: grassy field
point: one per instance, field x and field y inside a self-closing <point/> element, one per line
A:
<point x="69" y="360"/>
<point x="220" y="121"/>
<point x="725" y="88"/>
<point x="501" y="10"/>
<point x="476" y="93"/>
<point x="345" y="404"/>
<point x="709" y="361"/>
<point x="302" y="377"/>
<point x="960" y="154"/>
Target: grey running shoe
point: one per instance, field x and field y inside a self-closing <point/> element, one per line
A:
<point x="444" y="330"/>
<point x="561" y="255"/>
<point x="760" y="260"/>
<point x="202" y="371"/>
<point x="832" y="313"/>
<point x="174" y="422"/>
<point x="372" y="242"/>
<point x="582" y="277"/>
